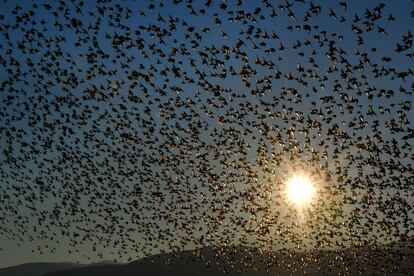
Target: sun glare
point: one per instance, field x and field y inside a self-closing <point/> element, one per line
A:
<point x="300" y="190"/>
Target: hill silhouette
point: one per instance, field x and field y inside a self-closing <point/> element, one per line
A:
<point x="36" y="269"/>
<point x="249" y="261"/>
<point x="40" y="268"/>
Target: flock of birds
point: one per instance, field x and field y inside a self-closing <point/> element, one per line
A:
<point x="130" y="128"/>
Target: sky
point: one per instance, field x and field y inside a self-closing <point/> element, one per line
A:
<point x="124" y="132"/>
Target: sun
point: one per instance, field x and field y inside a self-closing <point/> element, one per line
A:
<point x="300" y="190"/>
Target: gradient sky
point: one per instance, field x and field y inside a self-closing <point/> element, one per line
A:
<point x="115" y="166"/>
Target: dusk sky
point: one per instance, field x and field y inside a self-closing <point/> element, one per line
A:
<point x="130" y="128"/>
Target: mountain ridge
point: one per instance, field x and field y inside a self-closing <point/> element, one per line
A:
<point x="248" y="261"/>
<point x="36" y="268"/>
